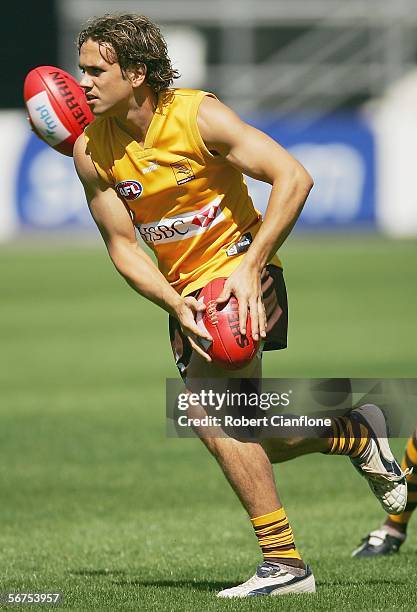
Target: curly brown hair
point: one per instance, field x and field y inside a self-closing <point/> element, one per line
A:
<point x="132" y="40"/>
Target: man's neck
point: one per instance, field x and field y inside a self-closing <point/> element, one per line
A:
<point x="139" y="115"/>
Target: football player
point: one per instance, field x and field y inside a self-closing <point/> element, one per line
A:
<point x="170" y="162"/>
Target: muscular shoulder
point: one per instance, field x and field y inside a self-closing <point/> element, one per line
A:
<point x="86" y="169"/>
<point x="218" y="124"/>
<point x="82" y="160"/>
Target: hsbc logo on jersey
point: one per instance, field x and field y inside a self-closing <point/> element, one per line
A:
<point x="129" y="190"/>
<point x="183" y="226"/>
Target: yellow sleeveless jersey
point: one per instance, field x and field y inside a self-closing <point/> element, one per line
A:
<point x="191" y="207"/>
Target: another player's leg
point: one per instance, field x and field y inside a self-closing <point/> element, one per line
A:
<point x="392" y="534"/>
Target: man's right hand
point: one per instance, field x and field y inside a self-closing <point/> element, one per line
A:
<point x="185" y="312"/>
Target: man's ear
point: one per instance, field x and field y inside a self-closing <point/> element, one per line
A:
<point x="136" y="75"/>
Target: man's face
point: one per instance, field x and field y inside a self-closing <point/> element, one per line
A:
<point x="106" y="90"/>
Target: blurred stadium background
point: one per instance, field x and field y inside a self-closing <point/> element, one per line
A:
<point x="335" y="82"/>
<point x="85" y="467"/>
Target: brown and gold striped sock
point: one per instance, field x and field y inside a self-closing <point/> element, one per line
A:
<point x="347" y="437"/>
<point x="276" y="539"/>
<point x="399" y="522"/>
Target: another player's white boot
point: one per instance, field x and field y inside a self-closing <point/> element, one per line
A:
<point x="272" y="579"/>
<point x="377" y="463"/>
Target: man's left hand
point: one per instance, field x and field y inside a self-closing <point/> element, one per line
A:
<point x="245" y="284"/>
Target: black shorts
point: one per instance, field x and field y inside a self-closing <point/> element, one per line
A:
<point x="274" y="295"/>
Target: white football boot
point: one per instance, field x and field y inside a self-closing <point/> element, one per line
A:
<point x="377" y="463"/>
<point x="272" y="579"/>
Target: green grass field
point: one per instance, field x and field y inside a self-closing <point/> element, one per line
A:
<point x="97" y="503"/>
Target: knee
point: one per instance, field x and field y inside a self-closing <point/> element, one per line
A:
<point x="210" y="444"/>
<point x="225" y="445"/>
<point x="282" y="449"/>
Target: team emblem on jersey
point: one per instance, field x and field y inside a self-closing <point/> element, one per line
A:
<point x="183" y="171"/>
<point x="129" y="190"/>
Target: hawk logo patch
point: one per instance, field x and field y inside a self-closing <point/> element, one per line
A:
<point x="182" y="171"/>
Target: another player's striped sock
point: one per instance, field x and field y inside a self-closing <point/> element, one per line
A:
<point x="276" y="538"/>
<point x="347" y="437"/>
<point x="399" y="522"/>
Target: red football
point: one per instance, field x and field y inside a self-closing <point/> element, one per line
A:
<point x="229" y="348"/>
<point x="57" y="107"/>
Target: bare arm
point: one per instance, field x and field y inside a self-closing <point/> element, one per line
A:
<point x="260" y="157"/>
<point x="116" y="227"/>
